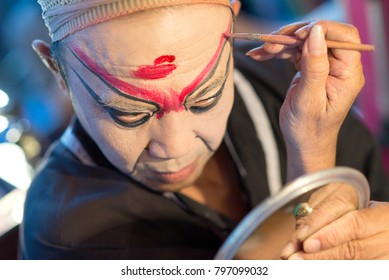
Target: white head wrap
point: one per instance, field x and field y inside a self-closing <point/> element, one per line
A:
<point x="64" y="17"/>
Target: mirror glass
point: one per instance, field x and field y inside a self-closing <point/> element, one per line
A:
<point x="270" y="237"/>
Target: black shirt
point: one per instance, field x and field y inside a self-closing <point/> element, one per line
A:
<point x="79" y="208"/>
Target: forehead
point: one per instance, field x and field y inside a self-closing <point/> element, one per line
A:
<point x="189" y="32"/>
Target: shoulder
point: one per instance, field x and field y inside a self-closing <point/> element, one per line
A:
<point x="66" y="200"/>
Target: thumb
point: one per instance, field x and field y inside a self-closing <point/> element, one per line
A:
<point x="314" y="62"/>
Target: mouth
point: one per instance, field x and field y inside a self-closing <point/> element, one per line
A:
<point x="175" y="177"/>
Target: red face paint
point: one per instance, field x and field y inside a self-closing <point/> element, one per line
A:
<point x="166" y="102"/>
<point x="196" y="82"/>
<point x="157" y="71"/>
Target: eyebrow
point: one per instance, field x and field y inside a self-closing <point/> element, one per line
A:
<point x="124" y="106"/>
<point x="114" y="104"/>
<point x="123" y="88"/>
<point x="218" y="83"/>
<point x="208" y="72"/>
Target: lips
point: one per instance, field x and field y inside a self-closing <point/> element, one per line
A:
<point x="175" y="177"/>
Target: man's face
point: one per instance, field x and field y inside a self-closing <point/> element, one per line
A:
<point x="154" y="90"/>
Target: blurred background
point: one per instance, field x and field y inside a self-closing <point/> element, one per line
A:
<point x="34" y="112"/>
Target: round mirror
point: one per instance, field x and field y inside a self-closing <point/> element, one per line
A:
<point x="264" y="231"/>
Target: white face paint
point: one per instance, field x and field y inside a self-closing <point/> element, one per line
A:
<point x="154" y="90"/>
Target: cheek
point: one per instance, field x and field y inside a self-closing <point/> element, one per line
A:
<point x="122" y="147"/>
<point x="212" y="125"/>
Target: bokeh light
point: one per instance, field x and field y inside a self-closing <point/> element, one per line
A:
<point x="4" y="123"/>
<point x="4" y="99"/>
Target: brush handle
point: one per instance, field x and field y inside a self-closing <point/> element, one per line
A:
<point x="293" y="41"/>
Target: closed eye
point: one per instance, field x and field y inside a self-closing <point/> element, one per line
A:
<point x="129" y="119"/>
<point x="206" y="104"/>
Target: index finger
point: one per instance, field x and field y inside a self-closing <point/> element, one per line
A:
<point x="269" y="50"/>
<point x="289" y="29"/>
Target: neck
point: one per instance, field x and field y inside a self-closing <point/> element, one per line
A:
<point x="219" y="187"/>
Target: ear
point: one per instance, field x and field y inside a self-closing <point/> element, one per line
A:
<point x="43" y="50"/>
<point x="235" y="6"/>
<point x="44" y="53"/>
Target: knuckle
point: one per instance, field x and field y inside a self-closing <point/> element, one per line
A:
<point x="347" y="196"/>
<point x="351" y="250"/>
<point x="361" y="81"/>
<point x="350" y="29"/>
<point x="352" y="33"/>
<point x="343" y="199"/>
<point x="353" y="30"/>
<point x="358" y="224"/>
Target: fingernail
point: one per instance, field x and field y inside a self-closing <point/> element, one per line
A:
<point x="288" y="250"/>
<point x="302" y="32"/>
<point x="316" y="41"/>
<point x="312" y="246"/>
<point x="373" y="204"/>
<point x="303" y="233"/>
<point x="252" y="52"/>
<point x="296" y="257"/>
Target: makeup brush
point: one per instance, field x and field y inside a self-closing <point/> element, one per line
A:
<point x="292" y="40"/>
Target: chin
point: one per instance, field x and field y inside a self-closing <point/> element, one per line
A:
<point x="169" y="183"/>
<point x="165" y="187"/>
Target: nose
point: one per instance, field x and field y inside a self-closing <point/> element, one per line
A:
<point x="173" y="136"/>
